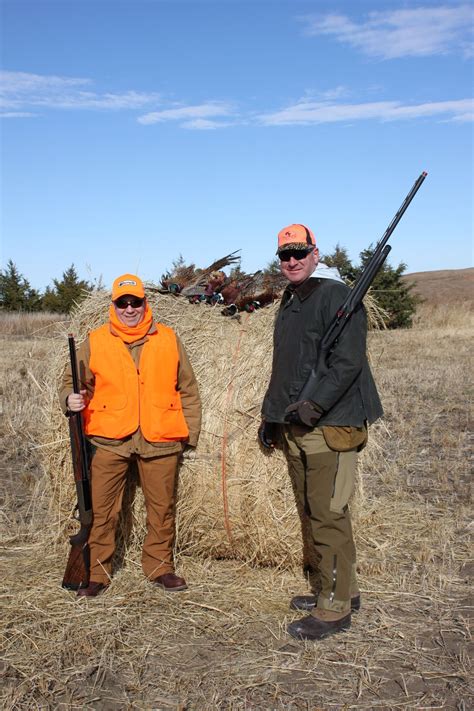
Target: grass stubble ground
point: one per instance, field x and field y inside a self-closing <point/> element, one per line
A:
<point x="222" y="644"/>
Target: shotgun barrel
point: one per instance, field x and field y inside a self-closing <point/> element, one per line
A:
<point x="356" y="295"/>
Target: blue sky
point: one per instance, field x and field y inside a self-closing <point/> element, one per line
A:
<point x="136" y="131"/>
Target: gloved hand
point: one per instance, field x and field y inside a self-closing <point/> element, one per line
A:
<point x="304" y="412"/>
<point x="267" y="434"/>
<point x="188" y="452"/>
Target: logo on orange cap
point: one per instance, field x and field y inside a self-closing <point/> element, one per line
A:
<point x="127" y="284"/>
<point x="296" y="237"/>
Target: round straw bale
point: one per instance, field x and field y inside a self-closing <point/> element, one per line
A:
<point x="234" y="500"/>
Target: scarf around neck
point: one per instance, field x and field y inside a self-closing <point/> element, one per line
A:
<point x="129" y="334"/>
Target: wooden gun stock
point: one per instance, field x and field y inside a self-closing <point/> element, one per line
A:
<point x="76" y="574"/>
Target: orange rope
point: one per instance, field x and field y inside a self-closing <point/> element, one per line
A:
<point x="230" y="392"/>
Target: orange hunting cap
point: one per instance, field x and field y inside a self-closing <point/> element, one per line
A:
<point x="127" y="284"/>
<point x="296" y="237"/>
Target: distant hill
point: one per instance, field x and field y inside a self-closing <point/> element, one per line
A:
<point x="444" y="286"/>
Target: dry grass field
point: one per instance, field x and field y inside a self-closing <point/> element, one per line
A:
<point x="447" y="286"/>
<point x="222" y="644"/>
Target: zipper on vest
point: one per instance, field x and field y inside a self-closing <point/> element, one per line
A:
<point x="139" y="401"/>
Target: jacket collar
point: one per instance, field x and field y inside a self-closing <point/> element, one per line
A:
<point x="302" y="291"/>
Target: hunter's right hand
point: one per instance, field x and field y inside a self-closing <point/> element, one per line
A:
<point x="266" y="434"/>
<point x="76" y="401"/>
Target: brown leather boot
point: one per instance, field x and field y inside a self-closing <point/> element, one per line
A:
<point x="170" y="582"/>
<point x="92" y="590"/>
<point x="320" y="624"/>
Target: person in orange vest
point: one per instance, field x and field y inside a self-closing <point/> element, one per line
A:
<point x="140" y="401"/>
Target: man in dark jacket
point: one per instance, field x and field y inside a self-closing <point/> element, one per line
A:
<point x="322" y="434"/>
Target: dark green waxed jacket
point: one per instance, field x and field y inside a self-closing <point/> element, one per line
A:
<point x="346" y="390"/>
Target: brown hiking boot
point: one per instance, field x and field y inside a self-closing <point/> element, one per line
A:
<point x="170" y="582"/>
<point x="306" y="603"/>
<point x="92" y="590"/>
<point x="320" y="624"/>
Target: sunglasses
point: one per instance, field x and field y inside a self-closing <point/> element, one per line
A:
<point x="134" y="301"/>
<point x="297" y="254"/>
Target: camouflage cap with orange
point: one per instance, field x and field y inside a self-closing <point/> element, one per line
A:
<point x="127" y="284"/>
<point x="296" y="237"/>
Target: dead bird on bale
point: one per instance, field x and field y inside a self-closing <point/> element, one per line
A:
<point x="203" y="280"/>
<point x="239" y="286"/>
<point x="237" y="292"/>
<point x="257" y="291"/>
<point x="190" y="280"/>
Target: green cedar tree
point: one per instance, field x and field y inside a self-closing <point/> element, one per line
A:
<point x="16" y="294"/>
<point x="65" y="293"/>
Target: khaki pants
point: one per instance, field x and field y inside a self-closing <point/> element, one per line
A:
<point x="157" y="479"/>
<point x="324" y="481"/>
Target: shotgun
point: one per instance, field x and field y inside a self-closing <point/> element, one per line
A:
<point x="354" y="299"/>
<point x="76" y="574"/>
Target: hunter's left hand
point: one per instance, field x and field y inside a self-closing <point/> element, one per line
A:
<point x="266" y="434"/>
<point x="189" y="452"/>
<point x="304" y="412"/>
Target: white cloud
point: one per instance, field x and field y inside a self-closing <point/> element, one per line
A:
<point x="89" y="100"/>
<point x="203" y="124"/>
<point x="200" y="115"/>
<point x="310" y="112"/>
<point x="335" y="93"/>
<point x="20" y="90"/>
<point x="16" y="114"/>
<point x="415" y="32"/>
<point x="23" y="83"/>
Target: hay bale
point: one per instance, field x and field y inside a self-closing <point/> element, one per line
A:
<point x="234" y="500"/>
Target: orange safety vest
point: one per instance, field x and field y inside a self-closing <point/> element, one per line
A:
<point x="126" y="398"/>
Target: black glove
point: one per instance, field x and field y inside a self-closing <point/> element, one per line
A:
<point x="188" y="451"/>
<point x="304" y="412"/>
<point x="267" y="434"/>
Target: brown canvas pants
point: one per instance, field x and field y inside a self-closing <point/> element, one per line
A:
<point x="157" y="479"/>
<point x="324" y="481"/>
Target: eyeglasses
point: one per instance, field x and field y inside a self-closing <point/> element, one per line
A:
<point x="297" y="254"/>
<point x="134" y="301"/>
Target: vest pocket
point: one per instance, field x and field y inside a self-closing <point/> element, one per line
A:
<point x="166" y="401"/>
<point x="109" y="403"/>
<point x="168" y="422"/>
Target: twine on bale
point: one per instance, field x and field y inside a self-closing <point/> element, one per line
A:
<point x="230" y="391"/>
<point x="234" y="501"/>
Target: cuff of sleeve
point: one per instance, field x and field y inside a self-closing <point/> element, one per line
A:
<point x="64" y="407"/>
